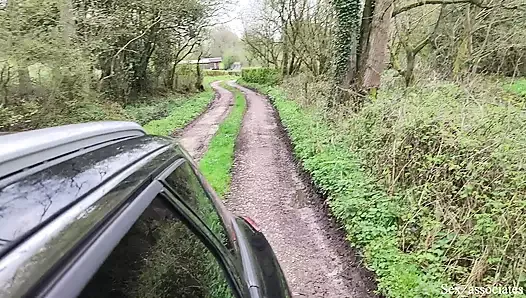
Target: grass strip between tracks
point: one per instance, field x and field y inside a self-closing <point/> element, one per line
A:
<point x="217" y="162"/>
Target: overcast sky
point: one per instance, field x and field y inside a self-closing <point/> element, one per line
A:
<point x="236" y="24"/>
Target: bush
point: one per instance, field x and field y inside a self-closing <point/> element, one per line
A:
<point x="263" y="75"/>
<point x="215" y="73"/>
<point x="145" y="112"/>
<point x="186" y="78"/>
<point x="457" y="165"/>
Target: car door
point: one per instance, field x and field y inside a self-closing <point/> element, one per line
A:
<point x="165" y="254"/>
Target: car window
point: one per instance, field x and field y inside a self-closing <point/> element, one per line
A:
<point x="159" y="257"/>
<point x="186" y="185"/>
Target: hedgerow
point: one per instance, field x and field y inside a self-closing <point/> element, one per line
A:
<point x="369" y="215"/>
<point x="220" y="73"/>
<point x="261" y="75"/>
<point x="180" y="115"/>
<point x="429" y="184"/>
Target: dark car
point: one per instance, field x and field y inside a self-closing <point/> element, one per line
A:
<point x="104" y="210"/>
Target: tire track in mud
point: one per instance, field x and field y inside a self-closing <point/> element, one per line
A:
<point x="196" y="136"/>
<point x="267" y="186"/>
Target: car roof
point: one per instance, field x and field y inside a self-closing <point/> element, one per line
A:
<point x="42" y="190"/>
<point x="25" y="149"/>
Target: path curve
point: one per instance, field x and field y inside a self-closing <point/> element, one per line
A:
<point x="267" y="186"/>
<point x="196" y="136"/>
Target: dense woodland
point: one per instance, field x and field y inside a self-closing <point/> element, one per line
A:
<point x="425" y="99"/>
<point x="65" y="61"/>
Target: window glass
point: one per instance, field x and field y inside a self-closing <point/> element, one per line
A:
<point x="159" y="257"/>
<point x="186" y="185"/>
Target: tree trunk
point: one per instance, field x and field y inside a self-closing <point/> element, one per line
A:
<point x="408" y="73"/>
<point x="292" y="65"/>
<point x="199" y="81"/>
<point x="365" y="31"/>
<point x="174" y="78"/>
<point x="24" y="80"/>
<point x="348" y="16"/>
<point x="373" y="61"/>
<point x="140" y="71"/>
<point x="285" y="61"/>
<point x="66" y="21"/>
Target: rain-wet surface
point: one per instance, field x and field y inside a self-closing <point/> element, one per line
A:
<point x="267" y="186"/>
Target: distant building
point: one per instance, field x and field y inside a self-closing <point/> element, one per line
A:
<point x="205" y="63"/>
<point x="236" y="66"/>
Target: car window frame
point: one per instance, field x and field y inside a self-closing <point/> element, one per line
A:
<point x="222" y="254"/>
<point x="69" y="278"/>
<point x="230" y="245"/>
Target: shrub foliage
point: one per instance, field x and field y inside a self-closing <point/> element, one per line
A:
<point x="262" y="75"/>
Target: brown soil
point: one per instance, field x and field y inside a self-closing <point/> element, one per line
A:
<point x="196" y="136"/>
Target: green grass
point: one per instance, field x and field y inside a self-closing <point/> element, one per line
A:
<point x="217" y="161"/>
<point x="181" y="115"/>
<point x="207" y="80"/>
<point x="518" y="87"/>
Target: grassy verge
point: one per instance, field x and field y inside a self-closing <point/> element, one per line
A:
<point x="181" y="115"/>
<point x="155" y="109"/>
<point x="217" y="161"/>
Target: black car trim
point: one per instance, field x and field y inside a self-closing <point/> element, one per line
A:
<point x="74" y="276"/>
<point x="209" y="239"/>
<point x="169" y="170"/>
<point x="167" y="173"/>
<point x="248" y="262"/>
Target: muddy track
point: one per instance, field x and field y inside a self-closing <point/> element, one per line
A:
<point x="196" y="136"/>
<point x="267" y="186"/>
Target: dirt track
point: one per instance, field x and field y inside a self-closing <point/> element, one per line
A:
<point x="196" y="136"/>
<point x="267" y="186"/>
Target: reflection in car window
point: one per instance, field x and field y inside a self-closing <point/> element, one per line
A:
<point x="159" y="257"/>
<point x="186" y="185"/>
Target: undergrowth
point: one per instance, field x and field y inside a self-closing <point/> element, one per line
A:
<point x="518" y="87"/>
<point x="147" y="111"/>
<point x="429" y="182"/>
<point x="217" y="161"/>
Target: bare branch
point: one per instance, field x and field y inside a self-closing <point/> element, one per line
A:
<point x="478" y="3"/>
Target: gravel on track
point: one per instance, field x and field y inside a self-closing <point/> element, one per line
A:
<point x="267" y="186"/>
